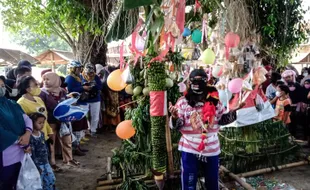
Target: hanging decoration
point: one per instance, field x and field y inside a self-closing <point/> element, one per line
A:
<point x="125" y="130"/>
<point x="186" y="32"/>
<point x="208" y="57"/>
<point x="196" y="36"/>
<point x="115" y="81"/>
<point x="231" y="40"/>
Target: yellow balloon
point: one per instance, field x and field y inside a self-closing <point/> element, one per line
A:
<point x="208" y="56"/>
<point x="115" y="80"/>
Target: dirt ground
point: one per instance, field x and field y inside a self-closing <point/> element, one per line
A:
<point x="93" y="165"/>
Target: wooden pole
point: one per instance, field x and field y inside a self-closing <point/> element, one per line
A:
<point x="169" y="149"/>
<point x="109" y="171"/>
<point x="236" y="178"/>
<point x="267" y="170"/>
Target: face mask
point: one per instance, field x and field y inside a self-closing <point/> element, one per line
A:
<point x="292" y="88"/>
<point x="278" y="94"/>
<point x="2" y="91"/>
<point x="35" y="91"/>
<point x="13" y="93"/>
<point x="307" y="86"/>
<point x="305" y="74"/>
<point x="198" y="86"/>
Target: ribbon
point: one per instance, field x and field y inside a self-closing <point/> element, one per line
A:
<point x="197" y="6"/>
<point x="180" y="16"/>
<point x="169" y="43"/>
<point x="204" y="35"/>
<point x="121" y="54"/>
<point x="133" y="47"/>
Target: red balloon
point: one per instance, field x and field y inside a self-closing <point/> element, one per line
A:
<point x="125" y="130"/>
<point x="232" y="40"/>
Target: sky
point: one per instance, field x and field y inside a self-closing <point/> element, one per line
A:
<point x="306" y="3"/>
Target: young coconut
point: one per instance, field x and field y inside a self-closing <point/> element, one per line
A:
<point x="137" y="91"/>
<point x="146" y="91"/>
<point x="129" y="90"/>
<point x="169" y="82"/>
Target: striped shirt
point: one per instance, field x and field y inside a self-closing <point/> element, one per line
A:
<point x="191" y="138"/>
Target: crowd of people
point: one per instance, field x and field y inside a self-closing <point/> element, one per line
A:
<point x="29" y="126"/>
<point x="289" y="94"/>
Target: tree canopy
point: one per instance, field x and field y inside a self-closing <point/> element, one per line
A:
<point x="35" y="43"/>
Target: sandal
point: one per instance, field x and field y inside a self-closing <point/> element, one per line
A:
<point x="74" y="162"/>
<point x="56" y="168"/>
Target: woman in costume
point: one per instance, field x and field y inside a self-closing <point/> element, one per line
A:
<point x="198" y="116"/>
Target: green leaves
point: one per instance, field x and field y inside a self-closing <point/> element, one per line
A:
<point x="281" y="26"/>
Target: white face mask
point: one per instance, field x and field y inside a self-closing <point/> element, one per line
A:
<point x="278" y="94"/>
<point x="13" y="93"/>
<point x="305" y="74"/>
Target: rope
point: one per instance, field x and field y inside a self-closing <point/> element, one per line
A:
<point x="258" y="141"/>
<point x="259" y="155"/>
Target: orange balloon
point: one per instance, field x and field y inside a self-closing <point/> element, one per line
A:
<point x="115" y="80"/>
<point x="125" y="130"/>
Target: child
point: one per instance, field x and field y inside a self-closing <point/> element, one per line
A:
<point x="283" y="105"/>
<point x="40" y="152"/>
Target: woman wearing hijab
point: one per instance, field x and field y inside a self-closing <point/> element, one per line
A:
<point x="90" y="78"/>
<point x="15" y="131"/>
<point x="74" y="84"/>
<point x="295" y="94"/>
<point x="52" y="94"/>
<point x="111" y="116"/>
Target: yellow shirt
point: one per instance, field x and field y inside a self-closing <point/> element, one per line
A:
<point x="30" y="107"/>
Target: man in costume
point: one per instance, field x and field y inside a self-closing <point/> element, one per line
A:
<point x="198" y="116"/>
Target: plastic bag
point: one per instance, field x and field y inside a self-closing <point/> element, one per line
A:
<point x="64" y="129"/>
<point x="29" y="176"/>
<point x="126" y="76"/>
<point x="259" y="103"/>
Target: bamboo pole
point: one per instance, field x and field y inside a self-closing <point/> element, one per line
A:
<point x="116" y="186"/>
<point x="119" y="180"/>
<point x="271" y="169"/>
<point x="109" y="176"/>
<point x="169" y="148"/>
<point x="236" y="178"/>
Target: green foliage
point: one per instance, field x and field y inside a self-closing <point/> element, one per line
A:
<point x="281" y="25"/>
<point x="253" y="147"/>
<point x="35" y="43"/>
<point x="65" y="18"/>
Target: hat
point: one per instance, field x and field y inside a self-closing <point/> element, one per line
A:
<point x="24" y="63"/>
<point x="89" y="68"/>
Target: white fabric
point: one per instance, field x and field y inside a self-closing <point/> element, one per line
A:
<point x="249" y="116"/>
<point x="94" y="109"/>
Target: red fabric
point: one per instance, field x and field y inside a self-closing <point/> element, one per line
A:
<point x="180" y="16"/>
<point x="208" y="112"/>
<point x="157" y="107"/>
<point x="169" y="41"/>
<point x="250" y="101"/>
<point x="197" y="5"/>
<point x="201" y="146"/>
